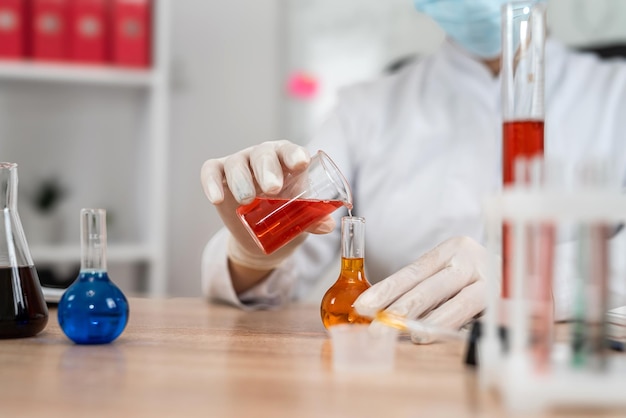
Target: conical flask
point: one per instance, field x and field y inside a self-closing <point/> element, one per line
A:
<point x="336" y="307"/>
<point x="93" y="310"/>
<point x="23" y="310"/>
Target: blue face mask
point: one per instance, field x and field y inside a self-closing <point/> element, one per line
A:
<point x="473" y="24"/>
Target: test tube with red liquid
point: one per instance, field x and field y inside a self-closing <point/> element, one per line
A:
<point x="523" y="43"/>
<point x="523" y="52"/>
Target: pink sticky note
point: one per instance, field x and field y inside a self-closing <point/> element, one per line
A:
<point x="302" y="86"/>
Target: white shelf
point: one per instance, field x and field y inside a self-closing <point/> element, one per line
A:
<point x="72" y="73"/>
<point x="120" y="253"/>
<point x="154" y="126"/>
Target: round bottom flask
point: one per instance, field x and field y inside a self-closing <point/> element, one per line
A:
<point x="337" y="303"/>
<point x="93" y="310"/>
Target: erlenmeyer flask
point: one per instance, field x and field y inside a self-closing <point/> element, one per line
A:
<point x="23" y="310"/>
<point x="336" y="307"/>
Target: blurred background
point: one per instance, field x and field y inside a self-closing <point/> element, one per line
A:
<point x="117" y="103"/>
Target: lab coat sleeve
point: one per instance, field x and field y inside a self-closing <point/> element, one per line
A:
<point x="217" y="285"/>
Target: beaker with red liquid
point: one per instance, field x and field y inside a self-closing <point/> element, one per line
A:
<point x="306" y="198"/>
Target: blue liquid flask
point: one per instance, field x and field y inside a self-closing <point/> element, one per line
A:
<point x="93" y="310"/>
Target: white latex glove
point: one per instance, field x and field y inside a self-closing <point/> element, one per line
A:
<point x="445" y="287"/>
<point x="260" y="168"/>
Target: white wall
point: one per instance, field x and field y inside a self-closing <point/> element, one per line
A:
<point x="585" y="22"/>
<point x="225" y="97"/>
<point x="339" y="43"/>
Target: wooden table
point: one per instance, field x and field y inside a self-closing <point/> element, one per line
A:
<point x="187" y="358"/>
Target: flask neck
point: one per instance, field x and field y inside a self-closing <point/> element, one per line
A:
<point x="8" y="185"/>
<point x="93" y="240"/>
<point x="352" y="237"/>
<point x="355" y="265"/>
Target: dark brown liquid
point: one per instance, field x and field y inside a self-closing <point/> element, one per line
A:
<point x="23" y="310"/>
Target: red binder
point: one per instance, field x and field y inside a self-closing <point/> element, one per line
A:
<point x="132" y="33"/>
<point x="50" y="29"/>
<point x="12" y="29"/>
<point x="89" y="26"/>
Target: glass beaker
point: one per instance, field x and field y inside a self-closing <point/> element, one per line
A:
<point x="93" y="310"/>
<point x="337" y="303"/>
<point x="523" y="50"/>
<point x="305" y="198"/>
<point x="23" y="310"/>
<point x="356" y="348"/>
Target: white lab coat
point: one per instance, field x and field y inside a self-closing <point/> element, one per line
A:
<point x="421" y="148"/>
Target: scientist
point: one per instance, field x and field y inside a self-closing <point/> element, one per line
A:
<point x="421" y="148"/>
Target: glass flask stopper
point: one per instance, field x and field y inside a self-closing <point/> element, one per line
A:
<point x="93" y="310"/>
<point x="23" y="310"/>
<point x="336" y="307"/>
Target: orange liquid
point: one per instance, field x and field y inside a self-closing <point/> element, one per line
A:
<point x="336" y="307"/>
<point x="520" y="139"/>
<point x="275" y="222"/>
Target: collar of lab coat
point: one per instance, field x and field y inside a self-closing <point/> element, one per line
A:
<point x="460" y="58"/>
<point x="469" y="74"/>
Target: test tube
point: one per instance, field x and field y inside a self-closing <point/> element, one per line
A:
<point x="541" y="243"/>
<point x="589" y="339"/>
<point x="523" y="45"/>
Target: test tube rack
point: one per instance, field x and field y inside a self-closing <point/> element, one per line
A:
<point x="508" y="367"/>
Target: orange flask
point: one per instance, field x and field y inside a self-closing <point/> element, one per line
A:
<point x="336" y="307"/>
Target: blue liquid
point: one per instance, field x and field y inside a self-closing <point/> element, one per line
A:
<point x="93" y="310"/>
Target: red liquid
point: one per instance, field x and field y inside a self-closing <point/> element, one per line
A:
<point x="520" y="139"/>
<point x="541" y="240"/>
<point x="275" y="222"/>
<point x="23" y="310"/>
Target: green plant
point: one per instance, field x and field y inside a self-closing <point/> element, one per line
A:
<point x="48" y="195"/>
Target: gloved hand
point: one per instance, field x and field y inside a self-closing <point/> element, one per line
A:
<point x="445" y="287"/>
<point x="260" y="168"/>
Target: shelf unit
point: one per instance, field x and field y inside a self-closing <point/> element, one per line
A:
<point x="69" y="73"/>
<point x="155" y="82"/>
